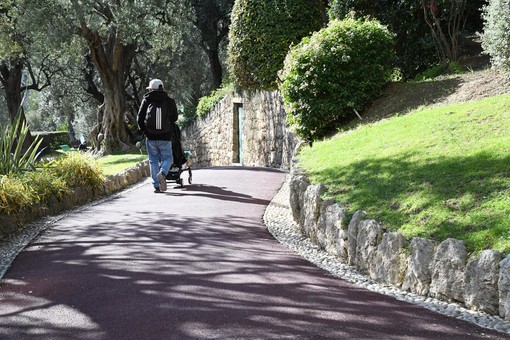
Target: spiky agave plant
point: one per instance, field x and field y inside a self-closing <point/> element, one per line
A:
<point x="13" y="158"/>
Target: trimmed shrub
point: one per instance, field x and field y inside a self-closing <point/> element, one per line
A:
<point x="261" y="34"/>
<point x="334" y="72"/>
<point x="53" y="140"/>
<point x="496" y="35"/>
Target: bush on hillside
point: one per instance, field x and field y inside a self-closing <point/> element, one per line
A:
<point x="14" y="156"/>
<point x="334" y="72"/>
<point x="496" y="35"/>
<point x="261" y="34"/>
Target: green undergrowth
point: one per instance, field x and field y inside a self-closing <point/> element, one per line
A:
<point x="436" y="172"/>
<point x="51" y="179"/>
<point x="55" y="177"/>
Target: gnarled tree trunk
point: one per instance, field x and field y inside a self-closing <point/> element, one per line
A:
<point x="112" y="59"/>
<point x="10" y="77"/>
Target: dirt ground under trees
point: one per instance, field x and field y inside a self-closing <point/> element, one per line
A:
<point x="478" y="82"/>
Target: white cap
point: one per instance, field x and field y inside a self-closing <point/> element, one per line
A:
<point x="154" y="84"/>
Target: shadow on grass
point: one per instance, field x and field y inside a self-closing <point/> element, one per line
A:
<point x="460" y="197"/>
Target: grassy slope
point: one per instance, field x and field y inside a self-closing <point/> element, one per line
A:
<point x="436" y="172"/>
<point x="114" y="164"/>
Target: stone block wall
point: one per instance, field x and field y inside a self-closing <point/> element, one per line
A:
<point x="437" y="269"/>
<point x="266" y="141"/>
<point x="440" y="270"/>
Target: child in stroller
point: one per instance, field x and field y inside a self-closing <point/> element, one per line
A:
<point x="181" y="162"/>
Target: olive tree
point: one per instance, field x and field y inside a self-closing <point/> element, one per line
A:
<point x="212" y="19"/>
<point x="24" y="65"/>
<point x="113" y="32"/>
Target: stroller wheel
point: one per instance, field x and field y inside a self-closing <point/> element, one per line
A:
<point x="189" y="179"/>
<point x="180" y="181"/>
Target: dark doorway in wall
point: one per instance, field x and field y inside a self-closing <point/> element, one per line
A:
<point x="238" y="134"/>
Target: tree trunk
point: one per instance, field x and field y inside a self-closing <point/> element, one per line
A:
<point x="113" y="125"/>
<point x="216" y="69"/>
<point x="11" y="74"/>
<point x="447" y="45"/>
<point x="11" y="80"/>
<point x="112" y="60"/>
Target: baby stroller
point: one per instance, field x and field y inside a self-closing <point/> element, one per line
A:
<point x="181" y="162"/>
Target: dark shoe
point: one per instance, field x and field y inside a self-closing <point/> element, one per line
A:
<point x="162" y="181"/>
<point x="157" y="191"/>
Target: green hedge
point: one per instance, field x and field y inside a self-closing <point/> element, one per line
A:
<point x="334" y="72"/>
<point x="53" y="140"/>
<point x="260" y="36"/>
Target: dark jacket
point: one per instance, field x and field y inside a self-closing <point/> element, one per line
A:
<point x="158" y="96"/>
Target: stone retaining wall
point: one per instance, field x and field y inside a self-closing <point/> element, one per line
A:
<point x="440" y="270"/>
<point x="265" y="139"/>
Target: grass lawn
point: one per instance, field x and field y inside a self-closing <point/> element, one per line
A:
<point x="114" y="164"/>
<point x="436" y="172"/>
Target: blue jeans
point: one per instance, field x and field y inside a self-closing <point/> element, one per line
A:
<point x="160" y="152"/>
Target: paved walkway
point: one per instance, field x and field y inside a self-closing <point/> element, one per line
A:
<point x="194" y="263"/>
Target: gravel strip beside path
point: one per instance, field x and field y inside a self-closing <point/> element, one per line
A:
<point x="278" y="219"/>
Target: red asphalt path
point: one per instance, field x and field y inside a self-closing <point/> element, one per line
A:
<point x="194" y="263"/>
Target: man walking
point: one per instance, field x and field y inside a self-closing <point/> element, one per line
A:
<point x="156" y="118"/>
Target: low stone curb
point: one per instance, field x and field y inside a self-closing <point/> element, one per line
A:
<point x="279" y="220"/>
<point x="18" y="231"/>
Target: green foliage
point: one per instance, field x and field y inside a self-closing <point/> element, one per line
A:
<point x="496" y="36"/>
<point x="44" y="185"/>
<point x="334" y="72"/>
<point x="58" y="139"/>
<point x="414" y="46"/>
<point x="453" y="67"/>
<point x="15" y="194"/>
<point x="53" y="139"/>
<point x="261" y="34"/>
<point x="436" y="172"/>
<point x="13" y="158"/>
<point x="11" y="41"/>
<point x="205" y="104"/>
<point x="78" y="170"/>
<point x="52" y="180"/>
